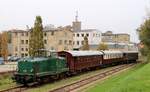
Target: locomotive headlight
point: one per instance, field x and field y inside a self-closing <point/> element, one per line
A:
<point x="25" y="71"/>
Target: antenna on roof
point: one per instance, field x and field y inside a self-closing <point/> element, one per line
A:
<point x="76" y="18"/>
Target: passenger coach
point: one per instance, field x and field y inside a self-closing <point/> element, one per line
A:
<point x="111" y="57"/>
<point x="130" y="56"/>
<point x="79" y="60"/>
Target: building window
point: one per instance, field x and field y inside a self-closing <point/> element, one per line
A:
<point x="22" y="49"/>
<point x="65" y="48"/>
<point x="60" y="42"/>
<point x="26" y="54"/>
<point x="93" y="34"/>
<point x="22" y="34"/>
<point x="45" y="41"/>
<point x="82" y="42"/>
<point x="82" y="35"/>
<point x="70" y="42"/>
<point x="87" y="34"/>
<point x="26" y="33"/>
<point x="45" y="34"/>
<point x="26" y="41"/>
<point x="77" y="42"/>
<point x="52" y="33"/>
<point x="52" y="48"/>
<point x="26" y="49"/>
<point x="78" y="35"/>
<point x="16" y="49"/>
<point x="16" y="34"/>
<point x="22" y="55"/>
<point x="73" y="42"/>
<point x="22" y="41"/>
<point x="65" y="42"/>
<point x="73" y="35"/>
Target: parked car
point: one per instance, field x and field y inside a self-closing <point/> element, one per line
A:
<point x="1" y="60"/>
<point x="13" y="58"/>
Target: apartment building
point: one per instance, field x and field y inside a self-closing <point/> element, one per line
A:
<point x="54" y="39"/>
<point x="116" y="38"/>
<point x="93" y="35"/>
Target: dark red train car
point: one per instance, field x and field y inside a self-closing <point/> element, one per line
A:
<point x="79" y="60"/>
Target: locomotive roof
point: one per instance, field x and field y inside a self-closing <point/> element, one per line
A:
<point x="35" y="59"/>
<point x="84" y="53"/>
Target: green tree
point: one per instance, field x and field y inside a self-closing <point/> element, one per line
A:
<point x="0" y="44"/>
<point x="144" y="35"/>
<point x="102" y="46"/>
<point x="85" y="44"/>
<point x="36" y="38"/>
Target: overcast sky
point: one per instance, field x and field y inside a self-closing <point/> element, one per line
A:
<point x="119" y="16"/>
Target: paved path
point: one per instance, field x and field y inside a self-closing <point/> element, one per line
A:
<point x="10" y="66"/>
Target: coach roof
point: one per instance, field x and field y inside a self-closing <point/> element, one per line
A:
<point x="111" y="52"/>
<point x="84" y="53"/>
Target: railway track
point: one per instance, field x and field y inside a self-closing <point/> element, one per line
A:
<point x="83" y="82"/>
<point x="19" y="88"/>
<point x="7" y="72"/>
<point x="75" y="85"/>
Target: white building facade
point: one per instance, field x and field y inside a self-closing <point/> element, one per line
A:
<point x="93" y="35"/>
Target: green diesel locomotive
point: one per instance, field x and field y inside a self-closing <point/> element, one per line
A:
<point x="37" y="69"/>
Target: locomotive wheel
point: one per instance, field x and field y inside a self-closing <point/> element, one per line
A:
<point x="55" y="77"/>
<point x="62" y="76"/>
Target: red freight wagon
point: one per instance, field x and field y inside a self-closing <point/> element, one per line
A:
<point x="79" y="60"/>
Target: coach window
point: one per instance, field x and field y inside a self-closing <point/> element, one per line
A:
<point x="106" y="56"/>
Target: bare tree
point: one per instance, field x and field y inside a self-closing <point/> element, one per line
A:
<point x="4" y="45"/>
